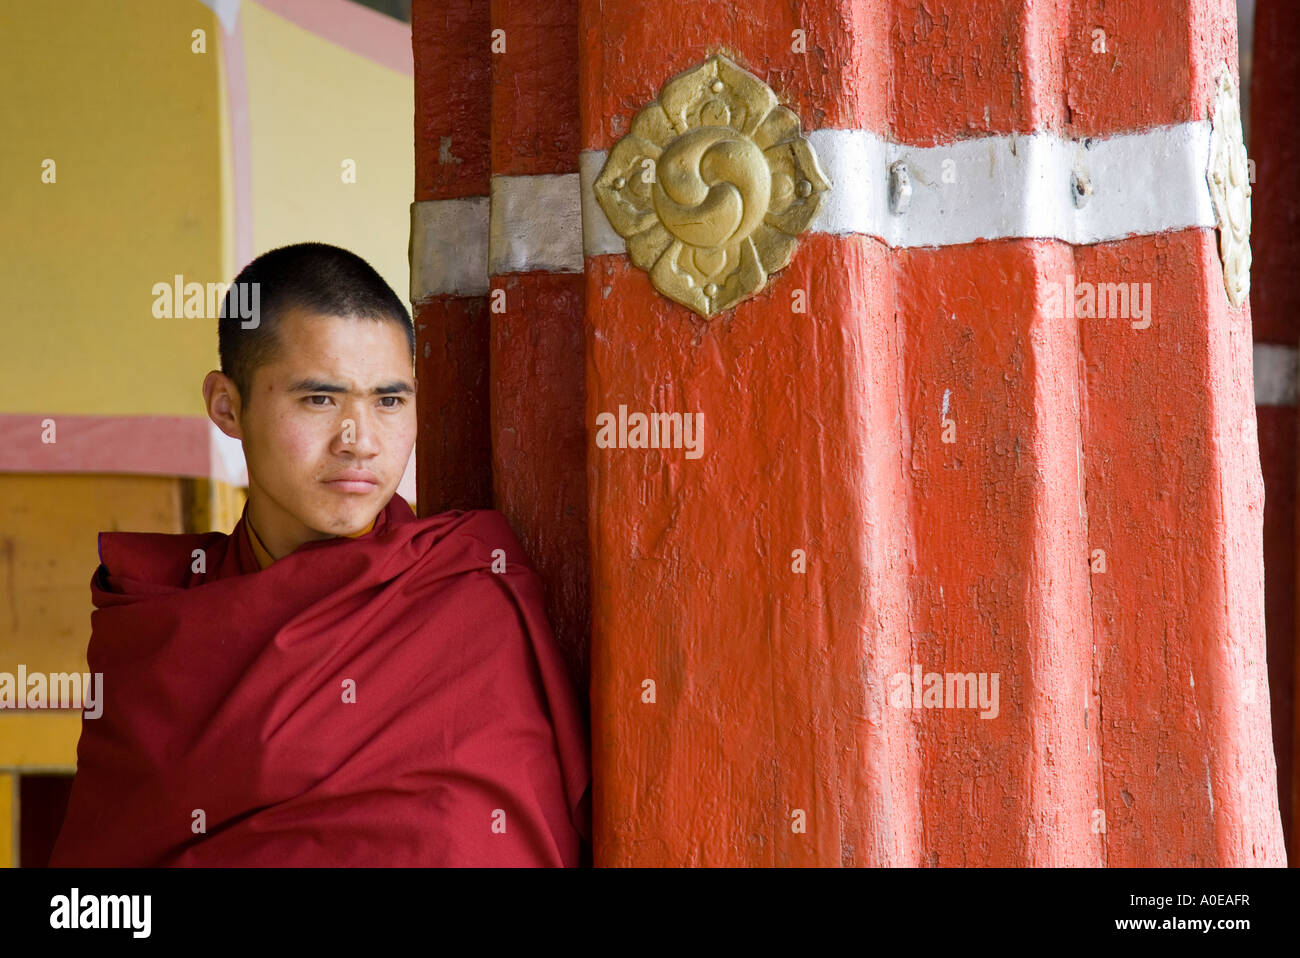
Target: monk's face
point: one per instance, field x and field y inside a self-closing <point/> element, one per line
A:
<point x="327" y="428"/>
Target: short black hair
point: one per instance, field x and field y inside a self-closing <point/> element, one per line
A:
<point x="315" y="276"/>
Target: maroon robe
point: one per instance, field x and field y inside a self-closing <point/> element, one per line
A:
<point x="225" y="704"/>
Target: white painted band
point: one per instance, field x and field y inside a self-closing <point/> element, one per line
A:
<point x="1276" y="368"/>
<point x="1018" y="186"/>
<point x="449" y="248"/>
<point x="994" y="187"/>
<point x="536" y="224"/>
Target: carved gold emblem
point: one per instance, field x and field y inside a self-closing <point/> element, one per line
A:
<point x="1230" y="188"/>
<point x="711" y="186"/>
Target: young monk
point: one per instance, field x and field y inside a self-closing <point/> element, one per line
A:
<point x="336" y="682"/>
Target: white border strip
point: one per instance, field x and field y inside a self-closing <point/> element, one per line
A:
<point x="1276" y="368"/>
<point x="994" y="187"/>
<point x="226" y="457"/>
<point x="449" y="248"/>
<point x="536" y="224"/>
<point x="1017" y="186"/>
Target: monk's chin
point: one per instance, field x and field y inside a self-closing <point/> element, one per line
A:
<point x="346" y="518"/>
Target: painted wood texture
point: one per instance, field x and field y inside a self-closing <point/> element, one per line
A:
<point x="911" y="459"/>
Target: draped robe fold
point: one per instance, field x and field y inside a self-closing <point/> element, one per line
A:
<point x="381" y="700"/>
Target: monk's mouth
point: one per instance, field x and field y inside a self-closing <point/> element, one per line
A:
<point x="353" y="486"/>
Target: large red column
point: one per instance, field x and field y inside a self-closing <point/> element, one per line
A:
<point x="932" y="465"/>
<point x="760" y="587"/>
<point x="952" y="552"/>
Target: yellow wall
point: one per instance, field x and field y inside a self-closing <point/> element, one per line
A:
<point x="138" y="126"/>
<point x="48" y="552"/>
<point x="111" y="92"/>
<point x="311" y="106"/>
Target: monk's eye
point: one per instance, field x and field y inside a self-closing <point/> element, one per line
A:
<point x="396" y="401"/>
<point x="311" y="400"/>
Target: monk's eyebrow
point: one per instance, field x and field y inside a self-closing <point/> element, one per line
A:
<point x="390" y="388"/>
<point x="316" y="386"/>
<point x="321" y="386"/>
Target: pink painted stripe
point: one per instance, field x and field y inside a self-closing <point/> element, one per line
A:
<point x="365" y="32"/>
<point x="150" y="445"/>
<point x="241" y="154"/>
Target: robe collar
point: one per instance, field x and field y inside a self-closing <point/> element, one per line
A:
<point x="263" y="556"/>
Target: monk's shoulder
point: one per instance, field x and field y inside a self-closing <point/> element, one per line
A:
<point x="162" y="559"/>
<point x="474" y="539"/>
<point x="475" y="556"/>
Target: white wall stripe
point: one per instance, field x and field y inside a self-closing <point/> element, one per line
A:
<point x="994" y="187"/>
<point x="1276" y="368"/>
<point x="226" y="457"/>
<point x="1017" y="186"/>
<point x="998" y="187"/>
<point x="536" y="224"/>
<point x="449" y="248"/>
<point x="227" y="12"/>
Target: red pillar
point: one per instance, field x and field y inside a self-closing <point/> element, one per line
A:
<point x="536" y="310"/>
<point x="1090" y="534"/>
<point x="764" y="743"/>
<point x="911" y="455"/>
<point x="500" y="343"/>
<point x="452" y="172"/>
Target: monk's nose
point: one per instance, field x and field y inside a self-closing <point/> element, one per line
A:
<point x="357" y="434"/>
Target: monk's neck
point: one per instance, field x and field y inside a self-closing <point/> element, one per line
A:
<point x="268" y="546"/>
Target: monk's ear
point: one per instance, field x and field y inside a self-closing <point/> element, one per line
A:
<point x="221" y="397"/>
